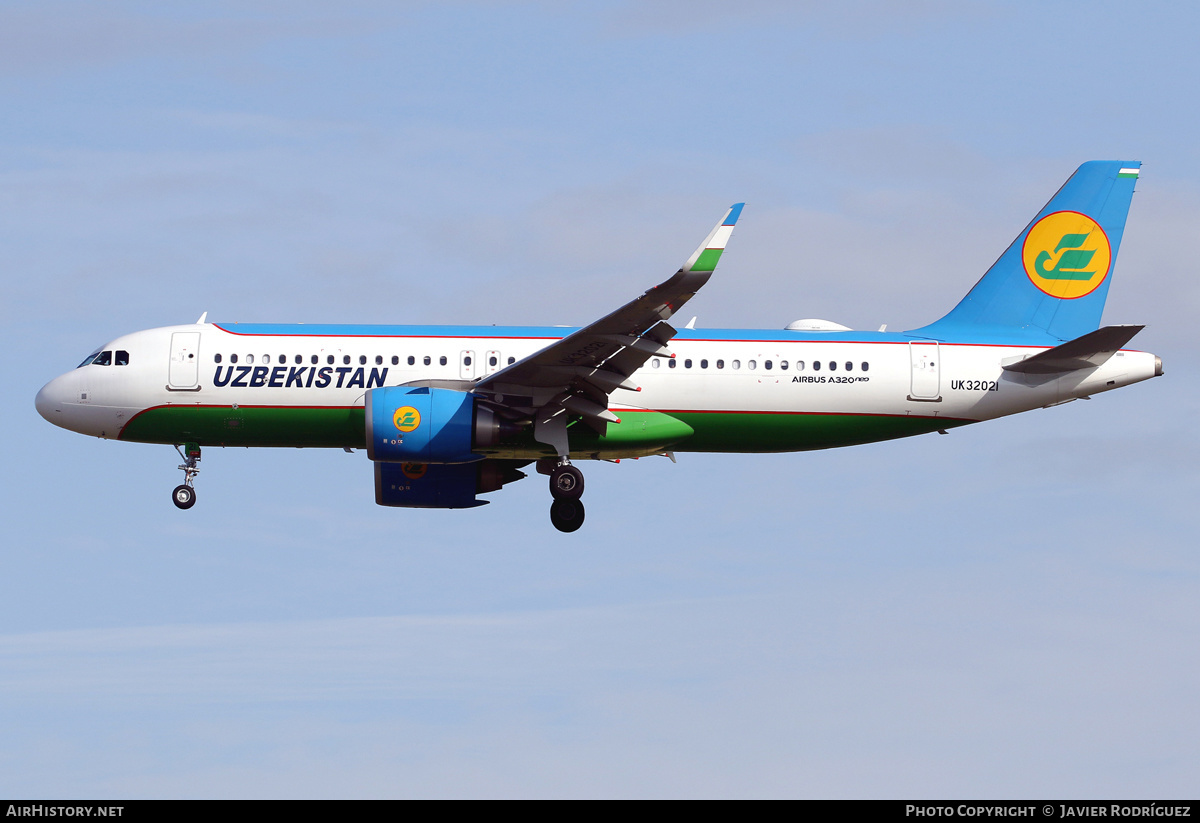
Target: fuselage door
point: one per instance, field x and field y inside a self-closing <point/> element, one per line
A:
<point x="925" y="358"/>
<point x="184" y="372"/>
<point x="466" y="368"/>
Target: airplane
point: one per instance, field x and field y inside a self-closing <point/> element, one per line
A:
<point x="446" y="413"/>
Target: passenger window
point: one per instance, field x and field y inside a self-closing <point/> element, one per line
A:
<point x="672" y="362"/>
<point x="849" y="366"/>
<point x="783" y="365"/>
<point x="216" y="358"/>
<point x="816" y="365"/>
<point x="266" y="358"/>
<point x="687" y="364"/>
<point x="833" y="365"/>
<point x="249" y="358"/>
<point x="412" y="361"/>
<point x="704" y="364"/>
<point x="751" y="365"/>
<point x="329" y="359"/>
<point x="282" y="359"/>
<point x="362" y="360"/>
<point x="299" y="359"/>
<point x="315" y="360"/>
<point x="427" y="360"/>
<point x="799" y="365"/>
<point x="345" y="360"/>
<point x="865" y="365"/>
<point x="492" y="361"/>
<point x="379" y="360"/>
<point x="233" y="358"/>
<point x="512" y="360"/>
<point x="442" y="360"/>
<point x="736" y="364"/>
<point x="720" y="364"/>
<point x="395" y="360"/>
<point x="767" y="365"/>
<point x="467" y="361"/>
<point x="122" y="358"/>
<point x="654" y="362"/>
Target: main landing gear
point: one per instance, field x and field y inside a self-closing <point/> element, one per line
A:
<point x="184" y="496"/>
<point x="566" y="487"/>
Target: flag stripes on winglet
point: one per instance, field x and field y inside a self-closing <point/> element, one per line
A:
<point x="708" y="255"/>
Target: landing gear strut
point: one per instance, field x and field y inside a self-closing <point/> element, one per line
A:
<point x="184" y="496"/>
<point x="566" y="487"/>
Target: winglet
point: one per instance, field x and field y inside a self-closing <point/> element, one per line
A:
<point x="705" y="258"/>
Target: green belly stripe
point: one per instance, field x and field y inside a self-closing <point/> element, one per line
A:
<point x="639" y="432"/>
<point x="320" y="427"/>
<point x="791" y="431"/>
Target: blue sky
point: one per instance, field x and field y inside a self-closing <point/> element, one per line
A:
<point x="1008" y="611"/>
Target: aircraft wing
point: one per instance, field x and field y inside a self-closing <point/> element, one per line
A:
<point x="573" y="377"/>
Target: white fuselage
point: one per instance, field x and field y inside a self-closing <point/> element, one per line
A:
<point x="726" y="372"/>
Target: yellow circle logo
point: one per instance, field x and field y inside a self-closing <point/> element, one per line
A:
<point x="1066" y="255"/>
<point x="406" y="418"/>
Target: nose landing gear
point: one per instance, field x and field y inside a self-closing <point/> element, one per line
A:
<point x="184" y="496"/>
<point x="566" y="487"/>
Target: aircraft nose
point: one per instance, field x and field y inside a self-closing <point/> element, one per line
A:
<point x="49" y="401"/>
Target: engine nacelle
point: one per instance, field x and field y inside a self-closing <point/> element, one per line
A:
<point x="428" y="425"/>
<point x="432" y="486"/>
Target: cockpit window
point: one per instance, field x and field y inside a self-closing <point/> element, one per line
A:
<point x="104" y="358"/>
<point x="122" y="358"/>
<point x="88" y="359"/>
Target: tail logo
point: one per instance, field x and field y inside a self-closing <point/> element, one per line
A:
<point x="1066" y="255"/>
<point x="406" y="418"/>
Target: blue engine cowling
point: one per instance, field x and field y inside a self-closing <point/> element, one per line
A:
<point x="445" y="486"/>
<point x="425" y="425"/>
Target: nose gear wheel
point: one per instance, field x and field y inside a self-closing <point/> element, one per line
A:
<point x="184" y="496"/>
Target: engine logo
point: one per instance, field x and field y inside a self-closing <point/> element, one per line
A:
<point x="406" y="418"/>
<point x="1066" y="255"/>
<point x="414" y="471"/>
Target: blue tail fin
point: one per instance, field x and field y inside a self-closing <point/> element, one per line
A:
<point x="1054" y="277"/>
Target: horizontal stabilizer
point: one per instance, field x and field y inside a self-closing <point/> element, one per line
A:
<point x="1086" y="352"/>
